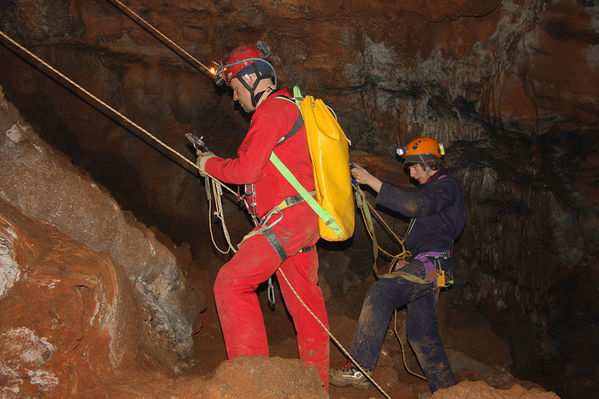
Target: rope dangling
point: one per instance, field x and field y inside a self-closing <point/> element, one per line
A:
<point x="366" y="209"/>
<point x="363" y="205"/>
<point x="219" y="213"/>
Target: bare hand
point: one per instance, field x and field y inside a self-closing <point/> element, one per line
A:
<point x="363" y="177"/>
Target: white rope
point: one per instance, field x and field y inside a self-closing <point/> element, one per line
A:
<point x="219" y="213"/>
<point x="108" y="107"/>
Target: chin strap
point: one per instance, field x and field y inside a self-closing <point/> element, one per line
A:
<point x="426" y="167"/>
<point x="255" y="97"/>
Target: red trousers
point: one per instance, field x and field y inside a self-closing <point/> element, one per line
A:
<point x="237" y="303"/>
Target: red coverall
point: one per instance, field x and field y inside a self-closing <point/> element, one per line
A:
<point x="234" y="289"/>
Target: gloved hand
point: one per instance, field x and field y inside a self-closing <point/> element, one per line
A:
<point x="201" y="161"/>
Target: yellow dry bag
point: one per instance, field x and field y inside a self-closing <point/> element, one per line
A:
<point x="329" y="150"/>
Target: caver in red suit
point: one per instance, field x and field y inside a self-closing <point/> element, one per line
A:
<point x="234" y="289"/>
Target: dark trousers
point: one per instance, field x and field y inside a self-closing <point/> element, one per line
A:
<point x="388" y="294"/>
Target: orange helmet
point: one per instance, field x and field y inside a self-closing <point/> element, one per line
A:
<point x="422" y="149"/>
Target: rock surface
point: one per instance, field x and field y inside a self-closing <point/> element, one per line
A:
<point x="69" y="317"/>
<point x="43" y="184"/>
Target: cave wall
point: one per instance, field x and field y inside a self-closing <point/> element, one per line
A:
<point x="510" y="87"/>
<point x="69" y="317"/>
<point x="43" y="184"/>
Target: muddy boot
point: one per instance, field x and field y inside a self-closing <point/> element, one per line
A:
<point x="349" y="375"/>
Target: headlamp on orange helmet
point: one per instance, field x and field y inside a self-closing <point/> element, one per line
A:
<point x="422" y="149"/>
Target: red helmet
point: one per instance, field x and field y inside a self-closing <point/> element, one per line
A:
<point x="234" y="62"/>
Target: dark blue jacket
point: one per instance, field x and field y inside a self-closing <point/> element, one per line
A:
<point x="437" y="207"/>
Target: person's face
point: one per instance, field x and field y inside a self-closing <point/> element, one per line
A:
<point x="418" y="173"/>
<point x="242" y="95"/>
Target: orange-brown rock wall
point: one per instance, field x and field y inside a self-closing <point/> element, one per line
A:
<point x="69" y="316"/>
<point x="43" y="184"/>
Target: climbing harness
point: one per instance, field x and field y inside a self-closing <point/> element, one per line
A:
<point x="434" y="272"/>
<point x="265" y="228"/>
<point x="266" y="224"/>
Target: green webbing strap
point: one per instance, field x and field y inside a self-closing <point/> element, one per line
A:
<point x="323" y="214"/>
<point x="297" y="98"/>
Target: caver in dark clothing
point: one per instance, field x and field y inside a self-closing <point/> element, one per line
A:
<point x="437" y="207"/>
<point x="438" y="213"/>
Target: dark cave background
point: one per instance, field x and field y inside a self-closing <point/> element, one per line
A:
<point x="510" y="88"/>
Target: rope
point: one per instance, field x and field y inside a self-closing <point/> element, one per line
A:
<point x="335" y="340"/>
<point x="403" y="254"/>
<point x="160" y="36"/>
<point x="106" y="106"/>
<point x="403" y="353"/>
<point x="219" y="213"/>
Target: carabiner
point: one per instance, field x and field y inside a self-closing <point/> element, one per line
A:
<point x="267" y="218"/>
